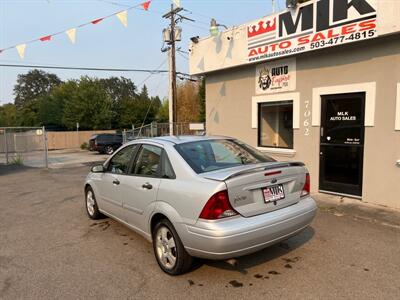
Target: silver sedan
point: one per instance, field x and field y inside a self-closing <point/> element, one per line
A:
<point x="208" y="197"/>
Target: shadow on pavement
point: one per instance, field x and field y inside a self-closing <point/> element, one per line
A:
<point x="12" y="169"/>
<point x="281" y="249"/>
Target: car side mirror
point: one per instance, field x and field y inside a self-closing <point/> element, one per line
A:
<point x="98" y="169"/>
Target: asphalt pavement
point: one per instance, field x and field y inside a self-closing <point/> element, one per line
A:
<point x="50" y="249"/>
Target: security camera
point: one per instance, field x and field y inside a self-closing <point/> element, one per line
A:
<point x="291" y="4"/>
<point x="195" y="39"/>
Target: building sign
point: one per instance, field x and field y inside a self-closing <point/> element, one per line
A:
<point x="314" y="25"/>
<point x="343" y="116"/>
<point x="277" y="76"/>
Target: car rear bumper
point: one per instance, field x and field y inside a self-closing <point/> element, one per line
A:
<point x="239" y="236"/>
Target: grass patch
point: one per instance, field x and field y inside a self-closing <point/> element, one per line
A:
<point x="17" y="160"/>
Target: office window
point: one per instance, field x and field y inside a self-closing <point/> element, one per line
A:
<point x="276" y="124"/>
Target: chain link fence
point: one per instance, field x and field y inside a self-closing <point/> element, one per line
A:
<point x="163" y="129"/>
<point x="24" y="146"/>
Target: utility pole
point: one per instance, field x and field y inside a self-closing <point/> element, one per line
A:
<point x="170" y="39"/>
<point x="171" y="35"/>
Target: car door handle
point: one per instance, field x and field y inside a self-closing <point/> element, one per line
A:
<point x="116" y="182"/>
<point x="147" y="186"/>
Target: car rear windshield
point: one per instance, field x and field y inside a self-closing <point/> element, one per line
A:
<point x="211" y="155"/>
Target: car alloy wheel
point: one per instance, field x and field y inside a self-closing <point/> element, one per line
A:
<point x="90" y="203"/>
<point x="166" y="248"/>
<point x="92" y="208"/>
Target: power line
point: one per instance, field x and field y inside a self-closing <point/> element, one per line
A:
<point x="114" y="3"/>
<point x="155" y="71"/>
<point x="151" y="100"/>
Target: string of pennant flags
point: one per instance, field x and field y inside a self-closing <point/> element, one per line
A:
<point x="71" y="32"/>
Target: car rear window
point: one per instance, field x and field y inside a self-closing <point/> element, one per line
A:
<point x="211" y="155"/>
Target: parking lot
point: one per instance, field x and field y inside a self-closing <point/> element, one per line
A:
<point x="50" y="249"/>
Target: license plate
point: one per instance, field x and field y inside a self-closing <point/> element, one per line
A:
<point x="273" y="193"/>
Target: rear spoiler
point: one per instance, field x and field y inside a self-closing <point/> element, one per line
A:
<point x="270" y="166"/>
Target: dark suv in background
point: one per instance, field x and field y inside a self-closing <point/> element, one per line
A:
<point x="105" y="143"/>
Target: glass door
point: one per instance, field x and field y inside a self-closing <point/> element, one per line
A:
<point x="342" y="143"/>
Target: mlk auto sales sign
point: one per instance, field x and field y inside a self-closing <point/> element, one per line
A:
<point x="314" y="25"/>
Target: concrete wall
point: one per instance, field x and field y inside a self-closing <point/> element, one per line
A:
<point x="70" y="139"/>
<point x="229" y="109"/>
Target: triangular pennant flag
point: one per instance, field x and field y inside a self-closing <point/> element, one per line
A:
<point x="146" y="5"/>
<point x="71" y="33"/>
<point x="177" y="2"/>
<point x="123" y="17"/>
<point x="46" y="38"/>
<point x="94" y="22"/>
<point x="21" y="50"/>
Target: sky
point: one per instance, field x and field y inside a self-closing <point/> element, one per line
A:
<point x="108" y="44"/>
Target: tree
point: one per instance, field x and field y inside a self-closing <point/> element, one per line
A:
<point x="202" y="101"/>
<point x="119" y="88"/>
<point x="34" y="84"/>
<point x="187" y="102"/>
<point x="51" y="107"/>
<point x="89" y="105"/>
<point x="139" y="110"/>
<point x="155" y="107"/>
<point x="144" y="93"/>
<point x="27" y="115"/>
<point x="8" y="115"/>
<point x="163" y="112"/>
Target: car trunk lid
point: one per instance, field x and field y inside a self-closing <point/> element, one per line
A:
<point x="249" y="185"/>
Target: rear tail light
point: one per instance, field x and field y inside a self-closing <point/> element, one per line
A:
<point x="218" y="207"/>
<point x="306" y="187"/>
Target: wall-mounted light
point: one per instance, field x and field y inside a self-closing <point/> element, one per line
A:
<point x="214" y="27"/>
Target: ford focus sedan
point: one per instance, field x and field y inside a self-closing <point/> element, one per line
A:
<point x="209" y="197"/>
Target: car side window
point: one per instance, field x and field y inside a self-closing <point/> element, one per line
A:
<point x="148" y="161"/>
<point x="119" y="164"/>
<point x="167" y="171"/>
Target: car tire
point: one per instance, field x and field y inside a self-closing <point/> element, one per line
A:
<point x="109" y="150"/>
<point x="169" y="251"/>
<point x="92" y="209"/>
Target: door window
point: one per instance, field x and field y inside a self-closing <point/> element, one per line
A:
<point x="167" y="171"/>
<point x="148" y="161"/>
<point x="119" y="164"/>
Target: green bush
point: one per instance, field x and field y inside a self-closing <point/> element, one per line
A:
<point x="18" y="160"/>
<point x="85" y="146"/>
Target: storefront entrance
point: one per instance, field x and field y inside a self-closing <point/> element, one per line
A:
<point x="342" y="143"/>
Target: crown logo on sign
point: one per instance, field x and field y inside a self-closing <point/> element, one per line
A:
<point x="261" y="28"/>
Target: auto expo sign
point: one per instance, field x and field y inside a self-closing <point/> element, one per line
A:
<point x="315" y="25"/>
<point x="276" y="76"/>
